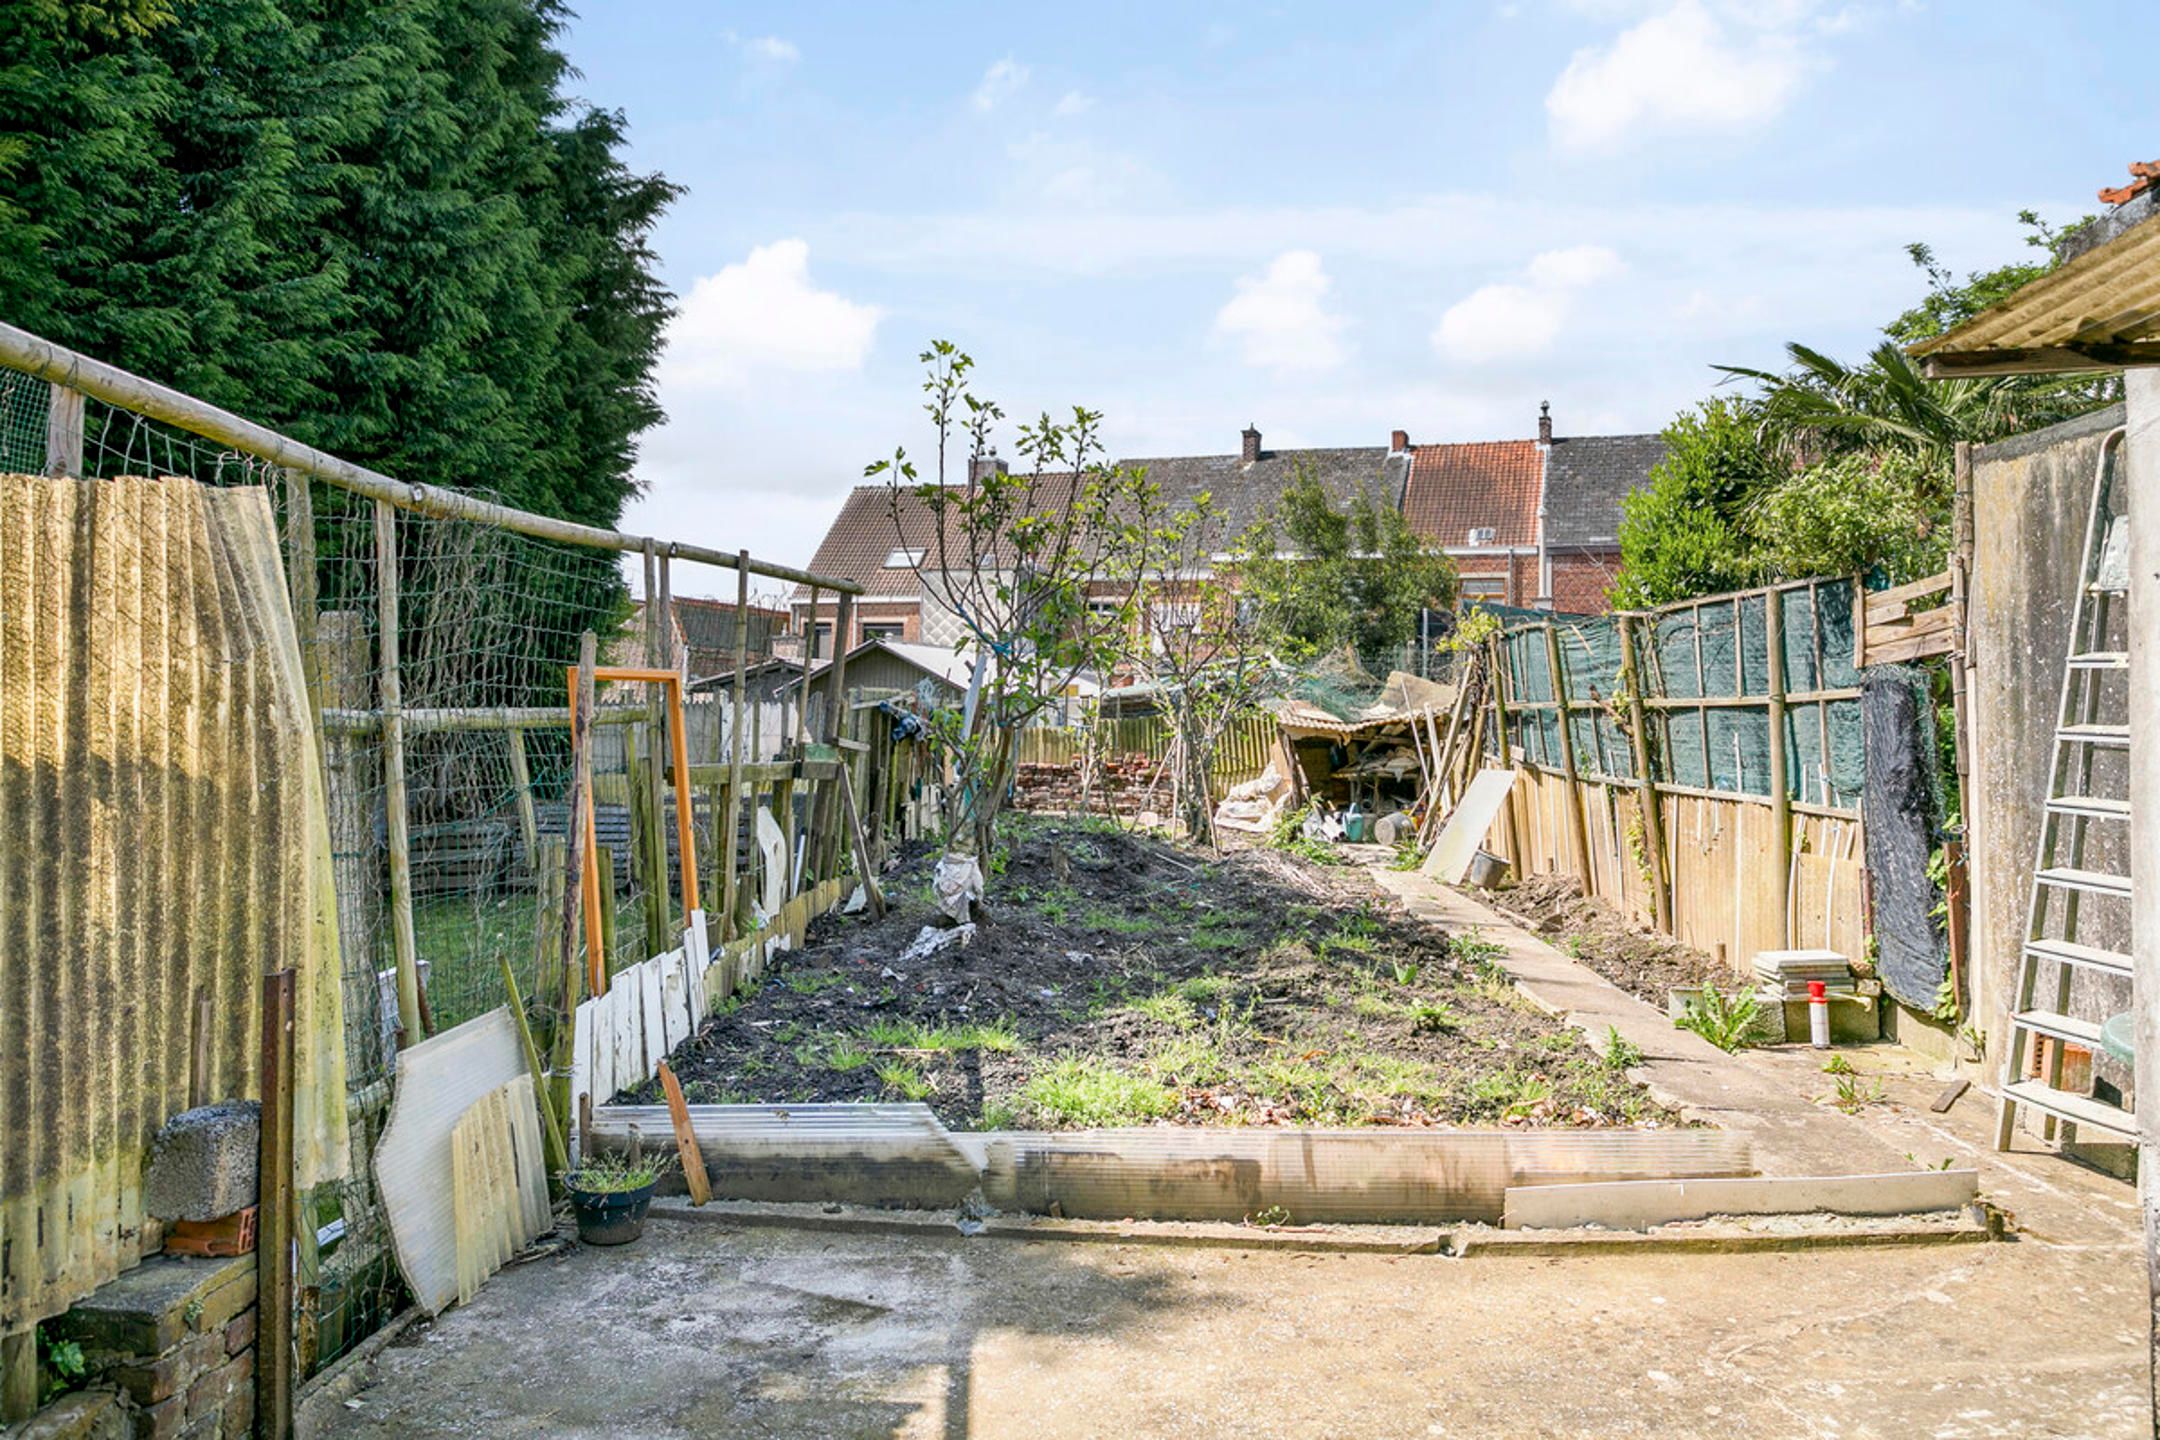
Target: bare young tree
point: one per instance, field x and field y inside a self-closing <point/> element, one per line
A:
<point x="1015" y="561"/>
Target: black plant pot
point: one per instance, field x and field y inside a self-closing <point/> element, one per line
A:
<point x="611" y="1217"/>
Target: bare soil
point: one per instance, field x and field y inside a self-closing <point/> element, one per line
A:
<point x="1644" y="964"/>
<point x="1117" y="978"/>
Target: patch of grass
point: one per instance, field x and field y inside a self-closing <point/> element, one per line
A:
<point x="810" y="982"/>
<point x="1168" y="1008"/>
<point x="1621" y="1053"/>
<point x="1217" y="931"/>
<point x="998" y="1115"/>
<point x="1188" y="1062"/>
<point x="889" y="1034"/>
<point x="1726" y="1021"/>
<point x="1511" y="1094"/>
<point x="843" y="1055"/>
<point x="1374" y="1006"/>
<point x="1200" y="989"/>
<point x="1090" y="1091"/>
<point x="1116" y="922"/>
<point x="904" y="1080"/>
<point x="1472" y="950"/>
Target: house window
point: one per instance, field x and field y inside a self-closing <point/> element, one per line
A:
<point x="821" y="642"/>
<point x="883" y="630"/>
<point x="903" y="559"/>
<point x="1484" y="587"/>
<point x="1482" y="535"/>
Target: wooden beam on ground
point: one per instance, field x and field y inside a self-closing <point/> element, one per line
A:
<point x="686" y="1146"/>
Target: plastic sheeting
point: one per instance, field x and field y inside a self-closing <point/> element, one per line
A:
<point x="162" y="799"/>
<point x="1912" y="954"/>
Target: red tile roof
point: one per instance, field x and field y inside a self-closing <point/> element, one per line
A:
<point x="874" y="521"/>
<point x="2143" y="173"/>
<point x="1454" y="489"/>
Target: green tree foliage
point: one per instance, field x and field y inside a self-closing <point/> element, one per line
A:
<point x="1322" y="575"/>
<point x="1686" y="532"/>
<point x="1855" y="515"/>
<point x="382" y="228"/>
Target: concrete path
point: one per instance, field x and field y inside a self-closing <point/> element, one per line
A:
<point x="699" y="1330"/>
<point x="1774" y="1094"/>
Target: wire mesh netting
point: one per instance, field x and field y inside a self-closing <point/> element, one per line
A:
<point x="489" y="623"/>
<point x="1706" y="684"/>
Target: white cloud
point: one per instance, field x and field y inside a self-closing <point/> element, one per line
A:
<point x="772" y="47"/>
<point x="1680" y="70"/>
<point x="1280" y="319"/>
<point x="765" y="314"/>
<point x="1513" y="320"/>
<point x="1000" y="82"/>
<point x="1079" y="174"/>
<point x="1072" y="102"/>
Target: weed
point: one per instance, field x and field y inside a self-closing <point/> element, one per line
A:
<point x="1429" y="1017"/>
<point x="998" y="1115"/>
<point x="65" y="1359"/>
<point x="1838" y="1065"/>
<point x="995" y="1035"/>
<point x="1726" y="1021"/>
<point x="1943" y="1164"/>
<point x="1374" y="1006"/>
<point x="1407" y="855"/>
<point x="1473" y="950"/>
<point x="1168" y="1008"/>
<point x="844" y="1055"/>
<point x="617" y="1174"/>
<point x="1854" y="1094"/>
<point x="810" y="982"/>
<point x="1269" y="1215"/>
<point x="904" y="1080"/>
<point x="1405" y="971"/>
<point x="1288" y="834"/>
<point x="1117" y="923"/>
<point x="1088" y="1091"/>
<point x="1621" y="1053"/>
<point x="1202" y="988"/>
<point x="890" y="1034"/>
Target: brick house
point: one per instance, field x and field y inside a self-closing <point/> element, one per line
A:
<point x="876" y="540"/>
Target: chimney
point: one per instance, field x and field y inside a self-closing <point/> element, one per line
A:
<point x="1251" y="452"/>
<point x="1544" y="422"/>
<point x="1398" y="441"/>
<point x="983" y="466"/>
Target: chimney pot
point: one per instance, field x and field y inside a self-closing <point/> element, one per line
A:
<point x="1398" y="441"/>
<point x="1251" y="450"/>
<point x="1544" y="422"/>
<point x="983" y="466"/>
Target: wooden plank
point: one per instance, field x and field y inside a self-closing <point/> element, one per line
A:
<point x="390" y="697"/>
<point x="528" y="816"/>
<point x="1638" y="1204"/>
<point x="1891" y="604"/>
<point x="686" y="1146"/>
<point x="64" y="431"/>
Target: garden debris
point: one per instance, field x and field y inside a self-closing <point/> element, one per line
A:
<point x="203" y="1162"/>
<point x="956" y="885"/>
<point x="931" y="941"/>
<point x="1648" y="966"/>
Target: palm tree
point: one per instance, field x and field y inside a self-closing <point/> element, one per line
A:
<point x="1824" y="407"/>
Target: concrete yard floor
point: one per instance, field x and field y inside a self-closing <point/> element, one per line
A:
<point x="699" y="1329"/>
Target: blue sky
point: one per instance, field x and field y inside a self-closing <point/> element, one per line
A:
<point x="1329" y="220"/>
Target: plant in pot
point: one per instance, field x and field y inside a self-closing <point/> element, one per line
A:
<point x="609" y="1195"/>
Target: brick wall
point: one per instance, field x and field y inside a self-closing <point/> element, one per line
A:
<point x="175" y="1338"/>
<point x="1582" y="581"/>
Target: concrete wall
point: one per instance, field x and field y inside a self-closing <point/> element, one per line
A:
<point x="2030" y="497"/>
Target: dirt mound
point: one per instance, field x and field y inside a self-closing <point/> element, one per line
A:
<point x="1646" y="965"/>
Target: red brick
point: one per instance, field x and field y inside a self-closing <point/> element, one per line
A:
<point x="240" y="1333"/>
<point x="213" y="1390"/>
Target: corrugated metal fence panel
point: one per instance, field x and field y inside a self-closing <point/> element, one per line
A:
<point x="161" y="799"/>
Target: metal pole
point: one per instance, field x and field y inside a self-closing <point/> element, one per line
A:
<point x="390" y="698"/>
<point x="1780" y="776"/>
<point x="47" y="361"/>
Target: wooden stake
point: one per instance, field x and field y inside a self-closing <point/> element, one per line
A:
<point x="686" y="1146"/>
<point x="528" y="815"/>
<point x="1578" y="821"/>
<point x="64" y="431"/>
<point x="866" y="867"/>
<point x="1653" y="819"/>
<point x="390" y="698"/>
<point x="580" y="884"/>
<point x="1780" y="777"/>
<point x="738" y="745"/>
<point x="277" y="1219"/>
<point x="558" y="1157"/>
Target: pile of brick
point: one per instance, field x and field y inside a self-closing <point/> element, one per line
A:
<point x="1124" y="784"/>
<point x="174" y="1339"/>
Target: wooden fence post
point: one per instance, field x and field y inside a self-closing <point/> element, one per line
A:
<point x="391" y="698"/>
<point x="64" y="432"/>
<point x="277" y="1220"/>
<point x="528" y="815"/>
<point x="1780" y="777"/>
<point x="738" y="743"/>
<point x="1653" y="817"/>
<point x="1578" y="818"/>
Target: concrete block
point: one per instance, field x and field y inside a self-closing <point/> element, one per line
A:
<point x="152" y="1308"/>
<point x="149" y="1380"/>
<point x="240" y="1333"/>
<point x="202" y="1164"/>
<point x="211" y="1393"/>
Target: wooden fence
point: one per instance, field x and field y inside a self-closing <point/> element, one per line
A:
<point x="1242" y="754"/>
<point x="1596" y="715"/>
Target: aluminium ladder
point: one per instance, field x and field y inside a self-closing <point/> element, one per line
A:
<point x="2093" y="717"/>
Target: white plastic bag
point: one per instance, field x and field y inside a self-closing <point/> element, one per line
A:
<point x="957" y="884"/>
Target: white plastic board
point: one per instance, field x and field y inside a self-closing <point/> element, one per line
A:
<point x="1466" y="827"/>
<point x="438" y="1080"/>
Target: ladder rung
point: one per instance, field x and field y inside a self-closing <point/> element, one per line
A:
<point x="2092" y="882"/>
<point x="2105" y="735"/>
<point x="2062" y="1027"/>
<point x="2077" y="1109"/>
<point x="2092" y="806"/>
<point x="2101" y="660"/>
<point x="2089" y="957"/>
